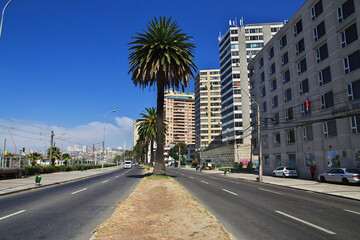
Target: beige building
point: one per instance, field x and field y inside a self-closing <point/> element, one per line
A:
<point x="307" y="83"/>
<point x="207" y="108"/>
<point x="180" y="115"/>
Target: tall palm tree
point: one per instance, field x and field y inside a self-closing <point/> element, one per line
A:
<point x="161" y="56"/>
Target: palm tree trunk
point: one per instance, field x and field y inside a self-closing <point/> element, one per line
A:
<point x="152" y="153"/>
<point x="159" y="168"/>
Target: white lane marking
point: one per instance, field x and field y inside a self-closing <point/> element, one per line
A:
<point x="116" y="176"/>
<point x="191" y="177"/>
<point x="352" y="211"/>
<point x="122" y="174"/>
<point x="182" y="174"/>
<point x="105" y="181"/>
<point x="307" y="223"/>
<point x="79" y="191"/>
<point x="213" y="178"/>
<point x="270" y="191"/>
<point x="10" y="215"/>
<point x="229" y="192"/>
<point x="204" y="182"/>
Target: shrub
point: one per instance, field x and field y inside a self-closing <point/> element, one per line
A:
<point x="241" y="165"/>
<point x="218" y="165"/>
<point x="236" y="165"/>
<point x="249" y="165"/>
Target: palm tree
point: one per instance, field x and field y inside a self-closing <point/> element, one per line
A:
<point x="55" y="154"/>
<point x="161" y="56"/>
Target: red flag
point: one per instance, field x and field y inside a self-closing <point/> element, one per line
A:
<point x="307" y="103"/>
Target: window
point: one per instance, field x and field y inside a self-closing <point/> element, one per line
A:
<point x="276" y="118"/>
<point x="261" y="62"/>
<point x="263" y="107"/>
<point x="322" y="53"/>
<point x="353" y="90"/>
<point x="298" y="27"/>
<point x="286" y="76"/>
<point x="233" y="31"/>
<point x="355" y="123"/>
<point x="278" y="160"/>
<point x="299" y="47"/>
<point x="301" y="66"/>
<point x="272" y="69"/>
<point x="349" y="35"/>
<point x="266" y="160"/>
<point x="304" y="87"/>
<point x="276" y="139"/>
<point x="274" y="102"/>
<point x="330" y="128"/>
<point x="327" y="100"/>
<point x="234" y="39"/>
<point x="289" y="114"/>
<point x="292" y="159"/>
<point x="352" y="62"/>
<point x="265" y="141"/>
<point x="316" y="10"/>
<point x="290" y="136"/>
<point x="287" y="95"/>
<point x="345" y="10"/>
<point x="284" y="59"/>
<point x="319" y="31"/>
<point x="271" y="53"/>
<point x="262" y="77"/>
<point x="324" y="76"/>
<point x="263" y="92"/>
<point x="282" y="42"/>
<point x="273" y="85"/>
<point x="308" y="133"/>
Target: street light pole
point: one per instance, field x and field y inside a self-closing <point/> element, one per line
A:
<point x="103" y="153"/>
<point x="2" y="17"/>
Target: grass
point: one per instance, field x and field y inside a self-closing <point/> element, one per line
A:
<point x="158" y="176"/>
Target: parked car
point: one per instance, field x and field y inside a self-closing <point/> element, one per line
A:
<point x="285" y="171"/>
<point x="127" y="164"/>
<point x="341" y="175"/>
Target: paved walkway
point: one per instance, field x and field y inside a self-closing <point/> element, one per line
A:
<point x="21" y="184"/>
<point x="348" y="191"/>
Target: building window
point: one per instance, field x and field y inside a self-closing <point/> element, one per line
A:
<point x="316" y="10"/>
<point x="272" y="69"/>
<point x="278" y="161"/>
<point x="355" y="123"/>
<point x="352" y="62"/>
<point x="273" y="85"/>
<point x="308" y="133"/>
<point x="282" y="42"/>
<point x="345" y="10"/>
<point x="301" y="66"/>
<point x="271" y="53"/>
<point x="263" y="107"/>
<point x="292" y="159"/>
<point x="319" y="31"/>
<point x="290" y="136"/>
<point x="263" y="92"/>
<point x="322" y="53"/>
<point x="261" y="62"/>
<point x="284" y="59"/>
<point x="289" y="114"/>
<point x="274" y="102"/>
<point x="262" y="77"/>
<point x="287" y="95"/>
<point x="349" y="35"/>
<point x="276" y="139"/>
<point x="330" y="128"/>
<point x="327" y="100"/>
<point x="298" y="28"/>
<point x="265" y="141"/>
<point x="304" y="87"/>
<point x="266" y="160"/>
<point x="353" y="90"/>
<point x="324" y="76"/>
<point x="299" y="47"/>
<point x="233" y="31"/>
<point x="276" y="118"/>
<point x="286" y="76"/>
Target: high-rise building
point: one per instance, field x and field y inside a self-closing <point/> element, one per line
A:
<point x="207" y="108"/>
<point x="236" y="48"/>
<point x="306" y="81"/>
<point x="180" y="116"/>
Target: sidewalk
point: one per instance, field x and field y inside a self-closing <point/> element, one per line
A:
<point x="21" y="184"/>
<point x="347" y="191"/>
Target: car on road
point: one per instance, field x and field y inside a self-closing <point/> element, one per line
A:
<point x="285" y="171"/>
<point x="341" y="175"/>
<point x="127" y="164"/>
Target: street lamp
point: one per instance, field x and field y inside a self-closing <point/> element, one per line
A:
<point x="103" y="153"/>
<point x="2" y="17"/>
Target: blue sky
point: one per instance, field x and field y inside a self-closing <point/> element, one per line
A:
<point x="64" y="64"/>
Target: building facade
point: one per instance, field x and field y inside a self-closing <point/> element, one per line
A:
<point x="207" y="108"/>
<point x="307" y="83"/>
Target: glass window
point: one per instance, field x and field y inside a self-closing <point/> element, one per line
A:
<point x="353" y="90"/>
<point x="283" y="42"/>
<point x="322" y="53"/>
<point x="319" y="31"/>
<point x="324" y="76"/>
<point x="355" y="124"/>
<point x="327" y="100"/>
<point x="271" y="53"/>
<point x="349" y="35"/>
<point x="290" y="135"/>
<point x="286" y="76"/>
<point x="309" y="159"/>
<point x="333" y="158"/>
<point x="278" y="160"/>
<point x="316" y="10"/>
<point x="330" y="129"/>
<point x="273" y="85"/>
<point x="301" y="66"/>
<point x="299" y="47"/>
<point x="266" y="160"/>
<point x="284" y="59"/>
<point x="298" y="27"/>
<point x="304" y="87"/>
<point x="287" y="95"/>
<point x="292" y="160"/>
<point x="274" y="102"/>
<point x="346" y="10"/>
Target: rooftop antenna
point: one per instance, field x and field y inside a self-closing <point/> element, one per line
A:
<point x="230" y="23"/>
<point x="236" y="21"/>
<point x="219" y="37"/>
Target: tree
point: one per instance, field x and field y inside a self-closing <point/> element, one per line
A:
<point x="161" y="56"/>
<point x="66" y="158"/>
<point x="174" y="151"/>
<point x="33" y="157"/>
<point x="55" y="154"/>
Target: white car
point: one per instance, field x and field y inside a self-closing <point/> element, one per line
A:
<point x="127" y="164"/>
<point x="341" y="175"/>
<point x="285" y="171"/>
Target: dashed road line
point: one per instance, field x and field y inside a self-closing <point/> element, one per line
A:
<point x="352" y="211"/>
<point x="13" y="214"/>
<point x="229" y="192"/>
<point x="105" y="181"/>
<point x="204" y="182"/>
<point x="116" y="176"/>
<point x="191" y="177"/>
<point x="266" y="190"/>
<point x="79" y="191"/>
<point x="305" y="222"/>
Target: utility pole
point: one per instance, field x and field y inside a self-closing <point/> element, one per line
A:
<point x="51" y="144"/>
<point x="94" y="153"/>
<point x="179" y="157"/>
<point x="3" y="159"/>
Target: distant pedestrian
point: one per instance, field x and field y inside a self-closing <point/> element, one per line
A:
<point x="312" y="171"/>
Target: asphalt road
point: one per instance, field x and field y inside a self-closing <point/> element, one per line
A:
<point x="252" y="210"/>
<point x="66" y="211"/>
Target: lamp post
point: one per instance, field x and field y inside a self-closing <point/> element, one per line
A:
<point x="103" y="153"/>
<point x="2" y="16"/>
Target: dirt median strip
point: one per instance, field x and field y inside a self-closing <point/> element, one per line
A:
<point x="160" y="208"/>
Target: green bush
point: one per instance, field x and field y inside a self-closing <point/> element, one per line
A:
<point x="249" y="165"/>
<point x="218" y="165"/>
<point x="241" y="165"/>
<point x="236" y="165"/>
